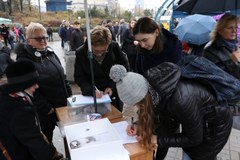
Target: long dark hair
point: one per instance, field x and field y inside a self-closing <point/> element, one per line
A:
<point x="146" y="25"/>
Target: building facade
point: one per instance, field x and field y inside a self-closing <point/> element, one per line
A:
<point x="57" y="5"/>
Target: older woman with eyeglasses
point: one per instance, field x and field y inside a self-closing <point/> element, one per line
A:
<point x="53" y="88"/>
<point x="222" y="49"/>
<point x="105" y="53"/>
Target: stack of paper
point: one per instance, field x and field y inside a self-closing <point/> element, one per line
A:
<point x="95" y="140"/>
<point x="83" y="105"/>
<point x="78" y="100"/>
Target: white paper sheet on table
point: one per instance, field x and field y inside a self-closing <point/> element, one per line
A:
<point x="106" y="146"/>
<point x="121" y="129"/>
<point x="85" y="100"/>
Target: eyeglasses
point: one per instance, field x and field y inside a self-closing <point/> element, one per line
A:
<point x="100" y="51"/>
<point x="39" y="39"/>
<point x="103" y="51"/>
<point x="232" y="28"/>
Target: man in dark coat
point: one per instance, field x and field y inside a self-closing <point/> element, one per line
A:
<point x="77" y="37"/>
<point x="5" y="59"/>
<point x="109" y="25"/>
<point x="121" y="29"/>
<point x="65" y="34"/>
<point x="5" y="33"/>
<point x="105" y="54"/>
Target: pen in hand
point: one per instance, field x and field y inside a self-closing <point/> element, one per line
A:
<point x="132" y="123"/>
<point x="98" y="93"/>
<point x="97" y="89"/>
<point x="131" y="128"/>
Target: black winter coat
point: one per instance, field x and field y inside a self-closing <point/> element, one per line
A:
<point x="19" y="131"/>
<point x="77" y="39"/>
<point x="205" y="124"/>
<point x="53" y="88"/>
<point x="172" y="52"/>
<point x="219" y="53"/>
<point x="82" y="73"/>
<point x="5" y="59"/>
<point x="128" y="43"/>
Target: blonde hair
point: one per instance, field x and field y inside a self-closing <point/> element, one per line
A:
<point x="33" y="27"/>
<point x="145" y="121"/>
<point x="222" y="23"/>
<point x="100" y="36"/>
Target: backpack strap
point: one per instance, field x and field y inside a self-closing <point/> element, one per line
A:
<point x="5" y="152"/>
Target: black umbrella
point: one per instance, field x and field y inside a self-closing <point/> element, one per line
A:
<point x="207" y="6"/>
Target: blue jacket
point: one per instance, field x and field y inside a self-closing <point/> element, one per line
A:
<point x="226" y="87"/>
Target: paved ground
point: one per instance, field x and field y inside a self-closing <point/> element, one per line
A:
<point x="230" y="152"/>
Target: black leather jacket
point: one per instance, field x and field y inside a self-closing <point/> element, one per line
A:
<point x="205" y="124"/>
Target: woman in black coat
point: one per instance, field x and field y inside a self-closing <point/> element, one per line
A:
<point x="53" y="88"/>
<point x="155" y="45"/>
<point x="106" y="53"/>
<point x="173" y="100"/>
<point x="129" y="45"/>
<point x="222" y="49"/>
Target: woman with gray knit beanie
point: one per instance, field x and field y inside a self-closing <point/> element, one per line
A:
<point x="173" y="100"/>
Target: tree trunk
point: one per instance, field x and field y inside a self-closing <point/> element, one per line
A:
<point x="29" y="5"/>
<point x="21" y="5"/>
<point x="3" y="6"/>
<point x="9" y="2"/>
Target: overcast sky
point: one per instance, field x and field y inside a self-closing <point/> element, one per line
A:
<point x="151" y="4"/>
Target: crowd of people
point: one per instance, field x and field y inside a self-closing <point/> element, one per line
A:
<point x="136" y="64"/>
<point x="11" y="34"/>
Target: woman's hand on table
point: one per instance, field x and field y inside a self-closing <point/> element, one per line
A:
<point x="131" y="130"/>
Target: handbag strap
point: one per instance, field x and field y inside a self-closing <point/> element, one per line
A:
<point x="5" y="152"/>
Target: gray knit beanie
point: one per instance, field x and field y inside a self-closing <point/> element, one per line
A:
<point x="131" y="87"/>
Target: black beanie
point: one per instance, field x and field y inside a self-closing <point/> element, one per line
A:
<point x="20" y="76"/>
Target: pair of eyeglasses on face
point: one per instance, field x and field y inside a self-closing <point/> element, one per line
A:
<point x="39" y="39"/>
<point x="100" y="51"/>
<point x="95" y="51"/>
